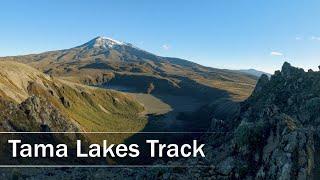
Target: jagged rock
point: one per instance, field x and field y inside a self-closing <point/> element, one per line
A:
<point x="263" y="80"/>
<point x="286" y="69"/>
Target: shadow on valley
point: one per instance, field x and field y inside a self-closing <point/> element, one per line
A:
<point x="170" y="106"/>
<point x="184" y="107"/>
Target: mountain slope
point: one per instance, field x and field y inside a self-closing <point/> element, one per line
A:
<point x="84" y="108"/>
<point x="106" y="61"/>
<point x="254" y="72"/>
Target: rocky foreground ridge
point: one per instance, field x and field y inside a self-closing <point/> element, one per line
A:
<point x="276" y="134"/>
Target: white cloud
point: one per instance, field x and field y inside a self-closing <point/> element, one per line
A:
<point x="298" y="38"/>
<point x="275" y="53"/>
<point x="316" y="38"/>
<point x="166" y="47"/>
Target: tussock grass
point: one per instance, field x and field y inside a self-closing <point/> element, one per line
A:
<point x="91" y="109"/>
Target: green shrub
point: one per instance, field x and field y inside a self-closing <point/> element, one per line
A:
<point x="249" y="133"/>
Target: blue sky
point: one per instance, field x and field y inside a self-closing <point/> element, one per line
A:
<point x="218" y="33"/>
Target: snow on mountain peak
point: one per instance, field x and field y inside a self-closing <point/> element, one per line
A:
<point x="109" y="40"/>
<point x="104" y="42"/>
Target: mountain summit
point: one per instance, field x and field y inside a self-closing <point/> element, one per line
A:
<point x="102" y="42"/>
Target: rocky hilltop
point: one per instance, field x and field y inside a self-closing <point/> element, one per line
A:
<point x="276" y="134"/>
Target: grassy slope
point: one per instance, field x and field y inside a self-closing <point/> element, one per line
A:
<point x="93" y="109"/>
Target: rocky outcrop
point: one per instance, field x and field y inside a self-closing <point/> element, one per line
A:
<point x="34" y="114"/>
<point x="277" y="132"/>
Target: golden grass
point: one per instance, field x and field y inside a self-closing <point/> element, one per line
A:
<point x="92" y="109"/>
